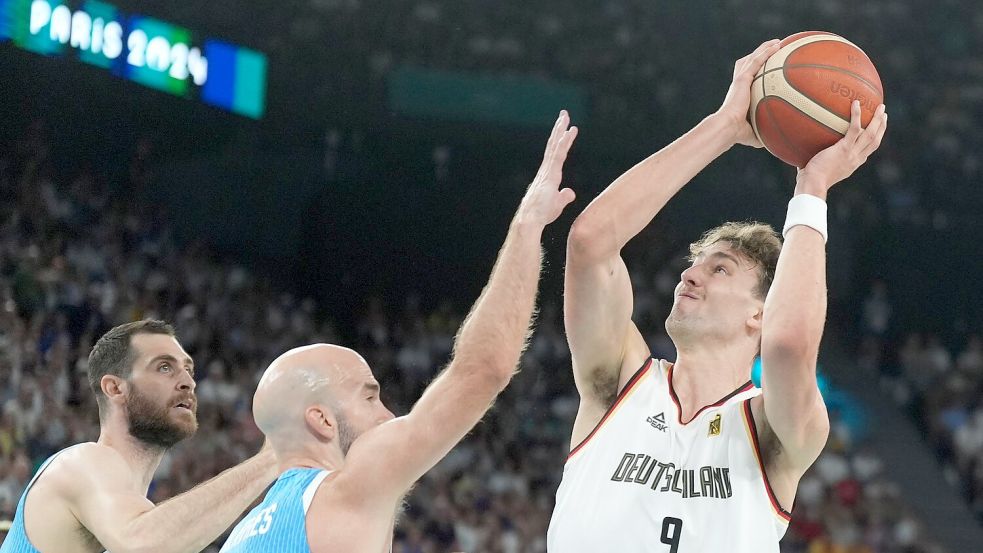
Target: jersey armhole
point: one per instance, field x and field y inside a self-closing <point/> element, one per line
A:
<point x="312" y="488"/>
<point x="614" y="406"/>
<point x="752" y="431"/>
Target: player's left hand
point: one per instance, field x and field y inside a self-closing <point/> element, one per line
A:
<point x="840" y="160"/>
<point x="544" y="200"/>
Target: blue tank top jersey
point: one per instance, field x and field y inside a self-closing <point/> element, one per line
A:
<point x="278" y="523"/>
<point x="16" y="540"/>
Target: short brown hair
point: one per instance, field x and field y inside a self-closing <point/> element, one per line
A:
<point x="757" y="242"/>
<point x="114" y="354"/>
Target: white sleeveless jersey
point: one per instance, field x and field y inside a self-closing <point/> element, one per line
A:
<point x="644" y="482"/>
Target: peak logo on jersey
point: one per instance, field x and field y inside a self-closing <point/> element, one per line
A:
<point x="638" y="468"/>
<point x="714" y="426"/>
<point x="658" y="421"/>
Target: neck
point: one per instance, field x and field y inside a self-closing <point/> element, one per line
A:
<point x="142" y="458"/>
<point x="330" y="459"/>
<point x="703" y="376"/>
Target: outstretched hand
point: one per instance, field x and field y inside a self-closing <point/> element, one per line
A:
<point x="738" y="100"/>
<point x="544" y="200"/>
<point x="840" y="160"/>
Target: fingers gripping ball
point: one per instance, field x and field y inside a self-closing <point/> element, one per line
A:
<point x="800" y="99"/>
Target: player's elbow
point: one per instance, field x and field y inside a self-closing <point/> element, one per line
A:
<point x="787" y="348"/>
<point x="804" y="436"/>
<point x="500" y="372"/>
<point x="589" y="240"/>
<point x="140" y="540"/>
<point x="129" y="538"/>
<point x="490" y="375"/>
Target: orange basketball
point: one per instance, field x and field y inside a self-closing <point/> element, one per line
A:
<point x="800" y="100"/>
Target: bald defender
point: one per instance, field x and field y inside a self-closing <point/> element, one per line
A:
<point x="346" y="461"/>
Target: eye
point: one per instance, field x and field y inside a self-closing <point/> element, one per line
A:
<point x="165" y="367"/>
<point x="720" y="269"/>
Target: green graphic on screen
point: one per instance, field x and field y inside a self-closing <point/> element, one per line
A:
<point x="142" y="49"/>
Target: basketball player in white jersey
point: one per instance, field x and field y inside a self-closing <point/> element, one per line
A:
<point x="690" y="457"/>
<point x="346" y="462"/>
<point x="92" y="497"/>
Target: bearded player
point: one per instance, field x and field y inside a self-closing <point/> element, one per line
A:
<point x="92" y="497"/>
<point x="690" y="457"/>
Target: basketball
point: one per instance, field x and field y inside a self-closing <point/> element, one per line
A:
<point x="800" y="99"/>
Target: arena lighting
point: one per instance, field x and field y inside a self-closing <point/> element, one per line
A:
<point x="141" y="49"/>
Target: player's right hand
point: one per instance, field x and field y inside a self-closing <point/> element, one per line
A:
<point x="544" y="200"/>
<point x="737" y="102"/>
<point x="839" y="161"/>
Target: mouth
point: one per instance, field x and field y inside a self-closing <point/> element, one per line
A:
<point x="186" y="405"/>
<point x="688" y="295"/>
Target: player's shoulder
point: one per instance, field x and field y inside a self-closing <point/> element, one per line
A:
<point x="349" y="487"/>
<point x="337" y="490"/>
<point x="92" y="455"/>
<point x="343" y="479"/>
<point x="80" y="466"/>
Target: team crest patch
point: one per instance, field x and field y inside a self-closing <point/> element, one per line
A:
<point x="714" y="426"/>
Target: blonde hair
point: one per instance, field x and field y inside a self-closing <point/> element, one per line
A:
<point x="757" y="242"/>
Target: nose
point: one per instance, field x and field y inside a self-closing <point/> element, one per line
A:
<point x="691" y="276"/>
<point x="187" y="382"/>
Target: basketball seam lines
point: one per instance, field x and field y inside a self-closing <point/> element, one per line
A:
<point x="771" y="118"/>
<point x="796" y="108"/>
<point x="763" y="73"/>
<point x="831" y="68"/>
<point x="764" y="93"/>
<point x="818" y="66"/>
<point x="795" y="88"/>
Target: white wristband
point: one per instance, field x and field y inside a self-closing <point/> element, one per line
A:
<point x="808" y="210"/>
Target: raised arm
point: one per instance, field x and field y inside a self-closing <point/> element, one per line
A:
<point x="795" y="309"/>
<point x="126" y="522"/>
<point x="605" y="344"/>
<point x="384" y="462"/>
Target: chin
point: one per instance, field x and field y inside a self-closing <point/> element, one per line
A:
<point x="189" y="422"/>
<point x="190" y="427"/>
<point x="185" y="424"/>
<point x="679" y="327"/>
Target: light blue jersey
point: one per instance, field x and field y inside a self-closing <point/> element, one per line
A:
<point x="16" y="540"/>
<point x="278" y="523"/>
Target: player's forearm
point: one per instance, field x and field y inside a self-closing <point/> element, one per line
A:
<point x="191" y="521"/>
<point x="628" y="205"/>
<point x="795" y="310"/>
<point x="495" y="332"/>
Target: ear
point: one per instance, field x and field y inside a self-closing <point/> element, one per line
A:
<point x="754" y="321"/>
<point x="113" y="387"/>
<point x="321" y="422"/>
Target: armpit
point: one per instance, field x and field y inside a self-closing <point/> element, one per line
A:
<point x="604" y="386"/>
<point x="771" y="446"/>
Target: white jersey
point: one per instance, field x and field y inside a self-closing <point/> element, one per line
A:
<point x="644" y="482"/>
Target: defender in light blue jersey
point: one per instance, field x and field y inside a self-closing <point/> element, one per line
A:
<point x="92" y="496"/>
<point x="346" y="462"/>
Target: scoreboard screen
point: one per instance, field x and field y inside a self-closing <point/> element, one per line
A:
<point x="141" y="49"/>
